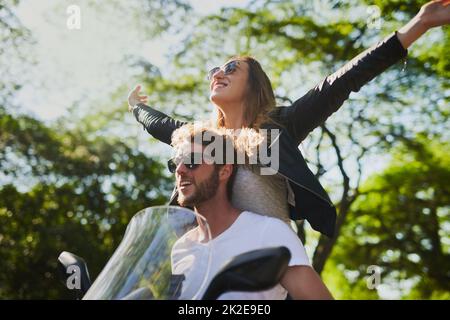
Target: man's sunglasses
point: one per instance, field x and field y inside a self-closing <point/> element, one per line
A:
<point x="229" y="68"/>
<point x="190" y="161"/>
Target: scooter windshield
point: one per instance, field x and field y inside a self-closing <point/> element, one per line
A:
<point x="165" y="254"/>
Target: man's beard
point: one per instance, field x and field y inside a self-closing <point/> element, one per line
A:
<point x="203" y="191"/>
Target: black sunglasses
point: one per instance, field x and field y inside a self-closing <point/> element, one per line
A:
<point x="187" y="160"/>
<point x="229" y="68"/>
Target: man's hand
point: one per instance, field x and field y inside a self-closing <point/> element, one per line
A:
<point x="435" y="13"/>
<point x="134" y="98"/>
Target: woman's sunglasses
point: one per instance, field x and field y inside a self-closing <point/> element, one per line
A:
<point x="188" y="160"/>
<point x="229" y="68"/>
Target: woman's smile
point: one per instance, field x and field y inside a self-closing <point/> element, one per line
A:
<point x="219" y="84"/>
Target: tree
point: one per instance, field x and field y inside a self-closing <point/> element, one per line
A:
<point x="61" y="187"/>
<point x="297" y="40"/>
<point x="15" y="41"/>
<point x="400" y="223"/>
<point x="73" y="185"/>
<point x="65" y="192"/>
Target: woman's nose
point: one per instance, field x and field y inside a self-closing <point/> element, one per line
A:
<point x="218" y="74"/>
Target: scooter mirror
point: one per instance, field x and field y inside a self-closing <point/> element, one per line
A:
<point x="252" y="271"/>
<point x="74" y="272"/>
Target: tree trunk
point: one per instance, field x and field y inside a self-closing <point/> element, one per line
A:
<point x="325" y="245"/>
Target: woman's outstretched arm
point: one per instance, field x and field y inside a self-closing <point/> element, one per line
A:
<point x="158" y="124"/>
<point x="311" y="110"/>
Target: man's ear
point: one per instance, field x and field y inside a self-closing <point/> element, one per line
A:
<point x="225" y="172"/>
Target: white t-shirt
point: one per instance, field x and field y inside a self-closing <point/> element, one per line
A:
<point x="250" y="231"/>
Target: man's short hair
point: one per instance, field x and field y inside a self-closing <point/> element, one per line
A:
<point x="224" y="151"/>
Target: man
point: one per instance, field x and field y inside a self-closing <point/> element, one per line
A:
<point x="206" y="186"/>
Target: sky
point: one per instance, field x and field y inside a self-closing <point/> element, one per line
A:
<point x="86" y="64"/>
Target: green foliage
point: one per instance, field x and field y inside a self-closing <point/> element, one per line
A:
<point x="80" y="196"/>
<point x="343" y="287"/>
<point x="434" y="53"/>
<point x="74" y="185"/>
<point x="400" y="223"/>
<point x="15" y="42"/>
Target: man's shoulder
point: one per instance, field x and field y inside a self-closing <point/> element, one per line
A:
<point x="249" y="215"/>
<point x="270" y="222"/>
<point x="273" y="232"/>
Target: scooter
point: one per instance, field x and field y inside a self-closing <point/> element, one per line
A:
<point x="166" y="254"/>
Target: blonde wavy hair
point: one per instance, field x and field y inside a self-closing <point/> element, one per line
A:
<point x="244" y="141"/>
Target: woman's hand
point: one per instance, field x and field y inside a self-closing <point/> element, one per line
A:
<point x="435" y="13"/>
<point x="134" y="98"/>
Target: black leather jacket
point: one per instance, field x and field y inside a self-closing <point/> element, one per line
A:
<point x="311" y="200"/>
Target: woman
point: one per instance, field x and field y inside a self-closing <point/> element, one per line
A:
<point x="244" y="97"/>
